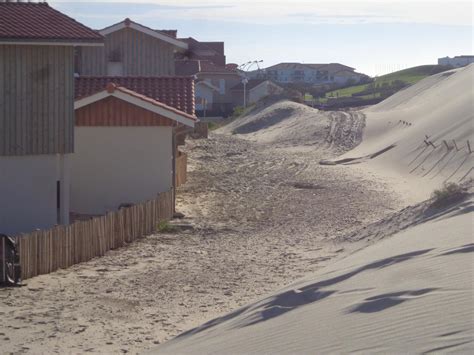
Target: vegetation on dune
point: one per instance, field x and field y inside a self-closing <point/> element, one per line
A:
<point x="449" y="193"/>
<point x="388" y="84"/>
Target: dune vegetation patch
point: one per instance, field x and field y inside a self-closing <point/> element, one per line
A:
<point x="448" y="194"/>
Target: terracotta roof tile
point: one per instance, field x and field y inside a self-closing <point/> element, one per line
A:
<point x="176" y="92"/>
<point x="111" y="87"/>
<point x="40" y="22"/>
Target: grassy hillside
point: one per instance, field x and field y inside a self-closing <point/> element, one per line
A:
<point x="388" y="84"/>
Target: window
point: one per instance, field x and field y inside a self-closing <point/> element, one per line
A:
<point x="222" y="86"/>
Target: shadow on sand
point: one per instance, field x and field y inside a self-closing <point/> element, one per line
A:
<point x="290" y="300"/>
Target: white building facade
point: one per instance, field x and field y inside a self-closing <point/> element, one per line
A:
<point x="457" y="62"/>
<point x="317" y="74"/>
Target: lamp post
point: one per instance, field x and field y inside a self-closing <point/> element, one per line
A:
<point x="245" y="81"/>
<point x="246" y="67"/>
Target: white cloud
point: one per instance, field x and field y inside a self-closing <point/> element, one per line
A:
<point x="310" y="11"/>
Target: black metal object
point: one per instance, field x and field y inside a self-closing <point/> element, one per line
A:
<point x="10" y="269"/>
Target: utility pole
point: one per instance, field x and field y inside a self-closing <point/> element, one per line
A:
<point x="246" y="67"/>
<point x="245" y="81"/>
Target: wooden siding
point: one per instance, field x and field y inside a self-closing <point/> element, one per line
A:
<point x="140" y="54"/>
<point x="115" y="112"/>
<point x="36" y="100"/>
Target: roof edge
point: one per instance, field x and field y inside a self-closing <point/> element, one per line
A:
<point x="139" y="100"/>
<point x="127" y="23"/>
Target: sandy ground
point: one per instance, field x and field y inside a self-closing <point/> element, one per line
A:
<point x="426" y="128"/>
<point x="258" y="217"/>
<point x="409" y="286"/>
<point x="408" y="292"/>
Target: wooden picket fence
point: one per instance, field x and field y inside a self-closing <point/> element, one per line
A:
<point x="181" y="169"/>
<point x="42" y="252"/>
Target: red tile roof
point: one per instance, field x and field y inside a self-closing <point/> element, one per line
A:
<point x="177" y="92"/>
<point x="111" y="87"/>
<point x="40" y="22"/>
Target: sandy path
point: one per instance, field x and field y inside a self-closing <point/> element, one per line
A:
<point x="262" y="217"/>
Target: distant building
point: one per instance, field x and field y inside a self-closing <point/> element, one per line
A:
<point x="290" y="73"/>
<point x="131" y="49"/>
<point x="197" y="50"/>
<point x="457" y="61"/>
<point x="255" y="90"/>
<point x="215" y="96"/>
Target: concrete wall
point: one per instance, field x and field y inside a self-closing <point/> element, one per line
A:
<point x="115" y="165"/>
<point x="28" y="192"/>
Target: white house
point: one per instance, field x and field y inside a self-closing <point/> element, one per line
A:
<point x="36" y="113"/>
<point x="264" y="89"/>
<point x="255" y="90"/>
<point x="307" y="73"/>
<point x="457" y="61"/>
<point x="124" y="143"/>
<point x="205" y="92"/>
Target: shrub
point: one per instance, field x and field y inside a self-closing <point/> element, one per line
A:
<point x="212" y="126"/>
<point x="238" y="111"/>
<point x="449" y="193"/>
<point x="165" y="227"/>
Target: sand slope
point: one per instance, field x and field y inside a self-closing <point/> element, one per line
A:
<point x="408" y="293"/>
<point x="411" y="290"/>
<point x="284" y="122"/>
<point x="428" y="126"/>
<point x="290" y="124"/>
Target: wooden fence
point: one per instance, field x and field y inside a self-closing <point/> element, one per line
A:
<point x="201" y="130"/>
<point x="181" y="169"/>
<point x="46" y="251"/>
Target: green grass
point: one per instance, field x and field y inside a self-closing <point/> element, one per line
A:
<point x="408" y="76"/>
<point x="165" y="227"/>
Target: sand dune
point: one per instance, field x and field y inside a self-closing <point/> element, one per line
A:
<point x="411" y="293"/>
<point x="290" y="124"/>
<point x="424" y="130"/>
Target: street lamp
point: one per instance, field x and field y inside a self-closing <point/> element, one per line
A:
<point x="246" y="67"/>
<point x="245" y="81"/>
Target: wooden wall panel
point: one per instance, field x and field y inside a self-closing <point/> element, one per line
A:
<point x="114" y="112"/>
<point x="36" y="99"/>
<point x="140" y="54"/>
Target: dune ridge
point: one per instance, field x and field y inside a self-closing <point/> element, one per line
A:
<point x="410" y="290"/>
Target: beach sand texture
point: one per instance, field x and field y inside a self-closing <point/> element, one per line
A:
<point x="411" y="290"/>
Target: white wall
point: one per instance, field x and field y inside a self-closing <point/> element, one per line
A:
<point x="264" y="89"/>
<point x="456" y="61"/>
<point x="115" y="165"/>
<point x="28" y="192"/>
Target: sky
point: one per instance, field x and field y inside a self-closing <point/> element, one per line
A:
<point x="374" y="36"/>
